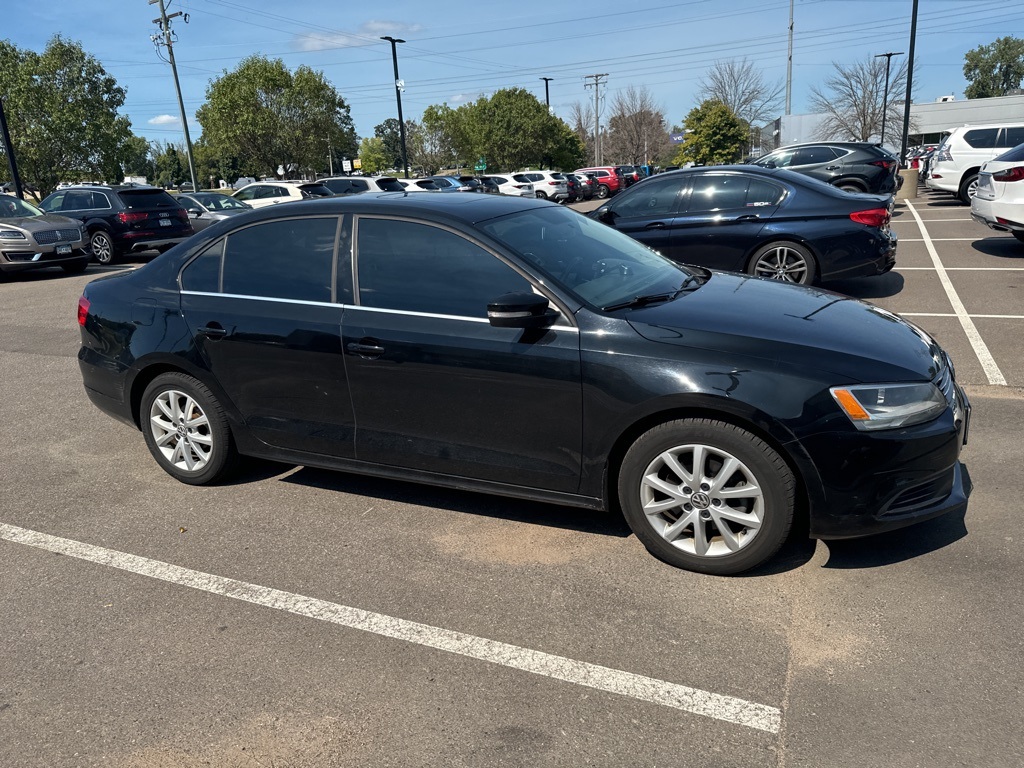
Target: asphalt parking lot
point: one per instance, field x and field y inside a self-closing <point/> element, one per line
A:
<point x="297" y="617"/>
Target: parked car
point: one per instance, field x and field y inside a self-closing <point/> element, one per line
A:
<point x="572" y="187"/>
<point x="998" y="201"/>
<point x="630" y="174"/>
<point x="206" y="208"/>
<point x="852" y="166"/>
<point x="31" y="239"/>
<point x="507" y="185"/>
<point x="122" y="219"/>
<point x="501" y="344"/>
<point x="587" y="185"/>
<point x="958" y="160"/>
<point x="353" y="185"/>
<point x="547" y="185"/>
<point x="419" y="185"/>
<point x="450" y="184"/>
<point x="263" y="193"/>
<point x="765" y="222"/>
<point x="608" y="181"/>
<point x="481" y="184"/>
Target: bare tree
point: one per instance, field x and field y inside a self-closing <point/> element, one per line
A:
<point x="582" y="123"/>
<point x="637" y="127"/>
<point x="739" y="85"/>
<point x="852" y="100"/>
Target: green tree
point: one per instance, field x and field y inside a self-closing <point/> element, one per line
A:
<point x="391" y="138"/>
<point x="136" y="158"/>
<point x="714" y="135"/>
<point x="373" y="155"/>
<point x="994" y="69"/>
<point x="171" y="164"/>
<point x="62" y="112"/>
<point x="267" y="116"/>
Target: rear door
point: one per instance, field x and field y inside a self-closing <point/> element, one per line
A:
<point x="819" y="162"/>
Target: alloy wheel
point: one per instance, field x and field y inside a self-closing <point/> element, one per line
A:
<point x="181" y="430"/>
<point x="783" y="262"/>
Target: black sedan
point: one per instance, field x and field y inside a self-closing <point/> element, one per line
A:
<point x="765" y="222"/>
<point x="509" y="345"/>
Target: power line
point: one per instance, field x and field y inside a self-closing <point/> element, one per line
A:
<point x="598" y="156"/>
<point x="166" y="38"/>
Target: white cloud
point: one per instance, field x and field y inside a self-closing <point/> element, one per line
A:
<point x="164" y="120"/>
<point x="457" y="98"/>
<point x="367" y="34"/>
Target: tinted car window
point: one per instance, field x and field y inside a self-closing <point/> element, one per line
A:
<point x="813" y="155"/>
<point x="389" y="184"/>
<point x="654" y="198"/>
<point x="203" y="273"/>
<point x="249" y="193"/>
<point x="83" y="200"/>
<point x="522" y="178"/>
<point x="358" y="185"/>
<point x="1011" y="137"/>
<point x="339" y="186"/>
<point x="982" y="138"/>
<point x="714" y="192"/>
<point x="146" y="198"/>
<point x="316" y="190"/>
<point x="419" y="268"/>
<point x="289" y="259"/>
<point x="761" y="193"/>
<point x="781" y="159"/>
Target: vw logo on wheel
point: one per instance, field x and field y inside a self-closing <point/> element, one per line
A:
<point x="700" y="500"/>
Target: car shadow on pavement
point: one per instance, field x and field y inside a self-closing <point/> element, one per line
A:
<point x="874" y="287"/>
<point x="486" y="505"/>
<point x="1007" y="247"/>
<point x="900" y="545"/>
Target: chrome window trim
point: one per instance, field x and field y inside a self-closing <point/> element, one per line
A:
<point x="303" y="302"/>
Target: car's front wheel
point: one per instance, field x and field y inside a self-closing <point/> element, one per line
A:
<point x="603" y="191"/>
<point x="785" y="261"/>
<point x="186" y="429"/>
<point x="707" y="496"/>
<point x="102" y="246"/>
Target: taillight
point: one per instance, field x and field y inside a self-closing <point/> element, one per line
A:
<point x="1010" y="174"/>
<point x="182" y="214"/>
<point x="554" y="183"/>
<point x="83" y="310"/>
<point x="875" y="217"/>
<point x="943" y="155"/>
<point x="887" y="164"/>
<point x="130" y="218"/>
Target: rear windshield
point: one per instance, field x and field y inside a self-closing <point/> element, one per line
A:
<point x="316" y="190"/>
<point x="389" y="184"/>
<point x="1014" y="155"/>
<point x="147" y="198"/>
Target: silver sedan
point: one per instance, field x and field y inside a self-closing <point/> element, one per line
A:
<point x="206" y="208"/>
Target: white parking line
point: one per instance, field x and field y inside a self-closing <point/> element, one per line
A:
<point x="649" y="689"/>
<point x="988" y="363"/>
<point x="939" y="239"/>
<point x="950" y="314"/>
<point x="964" y="269"/>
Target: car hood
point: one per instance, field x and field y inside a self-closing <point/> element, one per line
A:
<point x="793" y="325"/>
<point x="41" y="223"/>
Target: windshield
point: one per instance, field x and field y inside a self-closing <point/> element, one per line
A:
<point x="315" y="190"/>
<point x="220" y="203"/>
<point x="597" y="264"/>
<point x="14" y="208"/>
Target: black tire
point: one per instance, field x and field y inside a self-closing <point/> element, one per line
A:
<point x="602" y="191"/>
<point x="75" y="267"/>
<point x="849" y="186"/>
<point x="783" y="260"/>
<point x="737" y="532"/>
<point x="1018" y="235"/>
<point x="209" y="444"/>
<point x="967" y="188"/>
<point x="102" y="247"/>
<point x="541" y="195"/>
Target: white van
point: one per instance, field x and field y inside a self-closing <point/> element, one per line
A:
<point x="956" y="163"/>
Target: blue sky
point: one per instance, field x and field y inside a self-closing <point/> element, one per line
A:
<point x="458" y="49"/>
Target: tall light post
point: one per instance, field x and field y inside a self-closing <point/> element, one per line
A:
<point x="885" y="98"/>
<point x="910" y="80"/>
<point x="398" y="95"/>
<point x="12" y="164"/>
<point x="547" y="97"/>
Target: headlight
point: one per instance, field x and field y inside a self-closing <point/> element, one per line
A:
<point x="11" y="234"/>
<point x="888" y="406"/>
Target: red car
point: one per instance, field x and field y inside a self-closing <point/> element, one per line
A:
<point x="608" y="181"/>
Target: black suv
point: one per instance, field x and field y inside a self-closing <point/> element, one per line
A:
<point x="122" y="219"/>
<point x="854" y="166"/>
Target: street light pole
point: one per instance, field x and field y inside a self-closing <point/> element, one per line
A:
<point x="398" y="95"/>
<point x="910" y="80"/>
<point x="547" y="97"/>
<point x="885" y="98"/>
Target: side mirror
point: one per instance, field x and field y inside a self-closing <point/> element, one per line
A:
<point x="605" y="214"/>
<point x="770" y="164"/>
<point x="194" y="214"/>
<point x="520" y="310"/>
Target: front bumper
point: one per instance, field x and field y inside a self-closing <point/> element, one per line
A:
<point x="877" y="482"/>
<point x="32" y="256"/>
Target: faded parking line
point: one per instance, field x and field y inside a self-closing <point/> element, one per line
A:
<point x="649" y="689"/>
<point x="988" y="363"/>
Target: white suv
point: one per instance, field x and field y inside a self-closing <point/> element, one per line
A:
<point x="548" y="185"/>
<point x="956" y="163"/>
<point x="264" y="193"/>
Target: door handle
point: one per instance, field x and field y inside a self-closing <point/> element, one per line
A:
<point x="656" y="225"/>
<point x="833" y="167"/>
<point x="748" y="217"/>
<point x="213" y="331"/>
<point x="365" y="350"/>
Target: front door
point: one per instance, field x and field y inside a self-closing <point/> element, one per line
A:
<point x="434" y="386"/>
<point x="648" y="212"/>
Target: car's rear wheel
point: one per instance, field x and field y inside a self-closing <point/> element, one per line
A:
<point x="603" y="191"/>
<point x="967" y="189"/>
<point x="541" y="195"/>
<point x="784" y="261"/>
<point x="186" y="429"/>
<point x="849" y="186"/>
<point x="102" y="246"/>
<point x="707" y="496"/>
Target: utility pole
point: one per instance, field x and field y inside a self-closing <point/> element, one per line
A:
<point x="910" y="81"/>
<point x="885" y="97"/>
<point x="789" y="64"/>
<point x="165" y="37"/>
<point x="597" y="114"/>
<point x="399" y="85"/>
<point x="547" y="96"/>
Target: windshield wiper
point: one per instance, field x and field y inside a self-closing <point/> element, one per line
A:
<point x="653" y="298"/>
